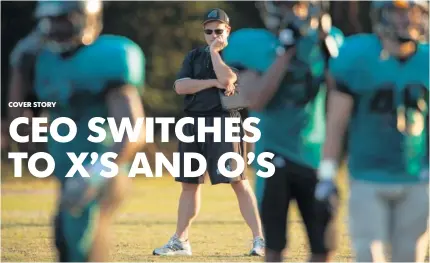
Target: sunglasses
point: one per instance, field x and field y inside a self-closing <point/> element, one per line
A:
<point x="217" y="31"/>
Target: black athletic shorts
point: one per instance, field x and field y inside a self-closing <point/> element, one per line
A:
<point x="211" y="151"/>
<point x="295" y="181"/>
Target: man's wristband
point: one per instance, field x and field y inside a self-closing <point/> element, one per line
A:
<point x="327" y="169"/>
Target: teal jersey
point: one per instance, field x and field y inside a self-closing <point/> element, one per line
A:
<point x="78" y="84"/>
<point x="388" y="131"/>
<point x="293" y="122"/>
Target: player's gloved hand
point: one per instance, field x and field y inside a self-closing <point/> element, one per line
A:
<point x="326" y="187"/>
<point x="329" y="46"/>
<point x="79" y="191"/>
<point x="326" y="194"/>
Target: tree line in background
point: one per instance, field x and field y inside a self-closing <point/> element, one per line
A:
<point x="166" y="31"/>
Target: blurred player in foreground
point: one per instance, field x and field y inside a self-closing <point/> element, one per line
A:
<point x="21" y="62"/>
<point x="282" y="77"/>
<point x="382" y="83"/>
<point x="88" y="76"/>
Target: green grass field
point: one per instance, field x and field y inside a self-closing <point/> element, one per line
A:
<point x="146" y="221"/>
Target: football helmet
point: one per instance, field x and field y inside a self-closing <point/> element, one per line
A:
<point x="401" y="21"/>
<point x="65" y="25"/>
<point x="300" y="16"/>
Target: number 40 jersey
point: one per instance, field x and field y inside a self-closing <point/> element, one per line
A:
<point x="388" y="132"/>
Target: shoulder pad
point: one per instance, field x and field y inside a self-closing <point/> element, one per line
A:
<point x="248" y="35"/>
<point x="352" y="54"/>
<point x="122" y="60"/>
<point x="248" y="47"/>
<point x="359" y="43"/>
<point x="356" y="47"/>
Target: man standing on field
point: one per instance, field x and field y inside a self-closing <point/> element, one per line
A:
<point x="201" y="79"/>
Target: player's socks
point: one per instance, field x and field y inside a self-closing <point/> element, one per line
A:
<point x="174" y="247"/>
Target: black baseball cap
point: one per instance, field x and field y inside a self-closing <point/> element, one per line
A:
<point x="216" y="14"/>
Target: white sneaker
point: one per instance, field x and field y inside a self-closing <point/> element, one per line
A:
<point x="174" y="247"/>
<point x="258" y="247"/>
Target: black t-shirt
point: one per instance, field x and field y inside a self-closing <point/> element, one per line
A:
<point x="198" y="65"/>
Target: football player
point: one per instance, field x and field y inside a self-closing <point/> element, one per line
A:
<point x="381" y="94"/>
<point x="88" y="75"/>
<point x="21" y="63"/>
<point x="283" y="71"/>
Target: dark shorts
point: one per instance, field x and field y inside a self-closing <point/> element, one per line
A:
<point x="294" y="181"/>
<point x="211" y="151"/>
